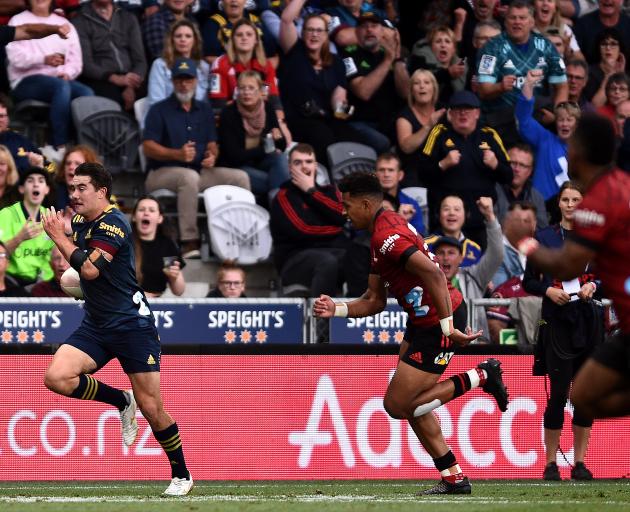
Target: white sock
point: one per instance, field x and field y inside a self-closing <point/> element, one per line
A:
<point x="473" y="374"/>
<point x="447" y="472"/>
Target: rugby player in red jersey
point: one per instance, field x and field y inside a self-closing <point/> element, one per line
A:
<point x="402" y="264"/>
<point x="601" y="234"/>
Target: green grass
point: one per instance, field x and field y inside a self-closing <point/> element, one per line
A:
<point x="390" y="496"/>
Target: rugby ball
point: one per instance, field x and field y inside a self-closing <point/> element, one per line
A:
<point x="71" y="283"/>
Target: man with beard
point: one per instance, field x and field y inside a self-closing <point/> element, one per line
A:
<point x="180" y="144"/>
<point x="378" y="81"/>
<point x="21" y="231"/>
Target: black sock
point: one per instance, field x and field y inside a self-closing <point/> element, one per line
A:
<point x="462" y="384"/>
<point x="91" y="389"/>
<point x="446" y="461"/>
<point x="172" y="446"/>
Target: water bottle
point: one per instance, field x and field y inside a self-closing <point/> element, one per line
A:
<point x="269" y="145"/>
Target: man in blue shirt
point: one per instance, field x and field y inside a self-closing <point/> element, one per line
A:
<point x="118" y="321"/>
<point x="180" y="143"/>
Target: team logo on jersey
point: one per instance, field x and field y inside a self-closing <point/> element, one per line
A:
<point x="388" y="243"/>
<point x="588" y="218"/>
<point x="449" y="143"/>
<point x="487" y="64"/>
<point x="443" y="358"/>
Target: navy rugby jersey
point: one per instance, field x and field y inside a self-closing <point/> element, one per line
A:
<point x="114" y="299"/>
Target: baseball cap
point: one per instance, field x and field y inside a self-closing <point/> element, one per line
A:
<point x="464" y="99"/>
<point x="370" y="16"/>
<point x="34" y="170"/>
<point x="447" y="240"/>
<point x="184" y="67"/>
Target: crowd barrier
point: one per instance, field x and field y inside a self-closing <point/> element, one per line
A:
<point x="275" y="321"/>
<point x="274" y="416"/>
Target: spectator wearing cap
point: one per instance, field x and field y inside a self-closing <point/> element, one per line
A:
<point x="114" y="63"/>
<point x="472" y="280"/>
<point x="344" y="18"/>
<point x="464" y="159"/>
<point x="378" y="81"/>
<point x="21" y="232"/>
<point x="179" y="141"/>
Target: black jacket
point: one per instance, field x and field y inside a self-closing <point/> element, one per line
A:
<point x="470" y="179"/>
<point x="232" y="138"/>
<point x="305" y="220"/>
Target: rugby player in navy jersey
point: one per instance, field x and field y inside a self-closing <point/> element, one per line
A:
<point x="601" y="234"/>
<point x="402" y="263"/>
<point x="118" y="321"/>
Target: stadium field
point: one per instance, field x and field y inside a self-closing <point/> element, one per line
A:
<point x="342" y="496"/>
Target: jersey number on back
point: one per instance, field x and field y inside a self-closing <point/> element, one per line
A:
<point x="414" y="297"/>
<point x="143" y="309"/>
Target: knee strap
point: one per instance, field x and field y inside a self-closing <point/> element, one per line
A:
<point x="423" y="409"/>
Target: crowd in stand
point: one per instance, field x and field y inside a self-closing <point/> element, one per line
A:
<point x="473" y="100"/>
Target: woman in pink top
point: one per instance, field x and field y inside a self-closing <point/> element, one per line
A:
<point x="46" y="69"/>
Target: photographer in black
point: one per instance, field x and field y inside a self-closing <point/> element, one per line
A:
<point x="571" y="327"/>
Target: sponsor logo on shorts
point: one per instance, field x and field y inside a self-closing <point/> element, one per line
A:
<point x="443" y="358"/>
<point x="417" y="357"/>
<point x="151" y="359"/>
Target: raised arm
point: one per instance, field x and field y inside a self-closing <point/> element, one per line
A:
<point x="288" y="32"/>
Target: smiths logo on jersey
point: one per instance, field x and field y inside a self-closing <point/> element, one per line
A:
<point x="111" y="230"/>
<point x="388" y="243"/>
<point x="589" y="218"/>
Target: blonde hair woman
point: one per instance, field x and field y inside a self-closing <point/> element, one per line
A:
<point x="416" y="120"/>
<point x="8" y="178"/>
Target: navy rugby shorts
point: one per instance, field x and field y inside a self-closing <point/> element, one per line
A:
<point x="137" y="349"/>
